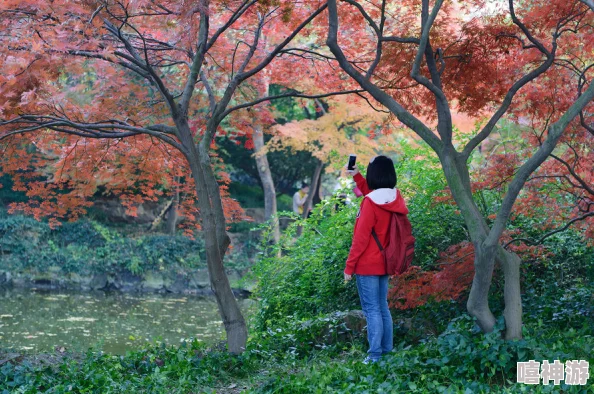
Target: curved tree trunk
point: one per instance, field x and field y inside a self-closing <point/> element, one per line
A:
<point x="458" y="180"/>
<point x="233" y="320"/>
<point x="267" y="181"/>
<point x="485" y="256"/>
<point x="478" y="300"/>
<point x="216" y="239"/>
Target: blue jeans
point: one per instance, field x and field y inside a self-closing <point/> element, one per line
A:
<point x="373" y="292"/>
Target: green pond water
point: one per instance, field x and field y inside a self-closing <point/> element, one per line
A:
<point x="40" y="321"/>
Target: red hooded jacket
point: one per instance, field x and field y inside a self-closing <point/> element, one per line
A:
<point x="365" y="258"/>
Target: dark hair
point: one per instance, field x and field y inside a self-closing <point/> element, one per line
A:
<point x="304" y="185"/>
<point x="381" y="173"/>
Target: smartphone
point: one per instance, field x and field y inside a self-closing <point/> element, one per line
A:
<point x="352" y="161"/>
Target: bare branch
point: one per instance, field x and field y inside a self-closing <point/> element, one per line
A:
<point x="365" y="15"/>
<point x="402" y="40"/>
<point x="371" y="105"/>
<point x="378" y="49"/>
<point x="526" y="32"/>
<point x="571" y="170"/>
<point x="378" y="94"/>
<point x="425" y="37"/>
<point x="551" y="233"/>
<point x="117" y="33"/>
<point x="95" y="13"/>
<point x="107" y="129"/>
<point x="209" y="91"/>
<point x="197" y="61"/>
<point x="253" y="47"/>
<point x="234" y="17"/>
<point x="281" y="46"/>
<point x="285" y="95"/>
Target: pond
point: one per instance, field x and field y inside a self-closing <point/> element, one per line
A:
<point x="40" y="321"/>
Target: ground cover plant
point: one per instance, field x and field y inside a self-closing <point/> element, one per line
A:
<point x="301" y="343"/>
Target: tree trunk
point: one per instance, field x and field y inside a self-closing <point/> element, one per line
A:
<point x="232" y="317"/>
<point x="315" y="179"/>
<point x="267" y="181"/>
<point x="171" y="224"/>
<point x="510" y="262"/>
<point x="458" y="180"/>
<point x="216" y="239"/>
<point x="485" y="256"/>
<point x="172" y="216"/>
<point x="478" y="300"/>
<point x="317" y="198"/>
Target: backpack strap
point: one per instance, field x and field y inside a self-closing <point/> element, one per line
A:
<point x="379" y="245"/>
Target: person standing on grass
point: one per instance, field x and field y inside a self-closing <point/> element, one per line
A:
<point x="365" y="258"/>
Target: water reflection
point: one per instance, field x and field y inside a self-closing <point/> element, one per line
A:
<point x="38" y="321"/>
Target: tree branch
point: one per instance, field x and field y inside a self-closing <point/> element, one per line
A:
<point x="402" y="40"/>
<point x="234" y="17"/>
<point x="107" y="129"/>
<point x="571" y="170"/>
<point x="153" y="76"/>
<point x="245" y="75"/>
<point x="285" y="95"/>
<point x="426" y="28"/>
<point x="378" y="94"/>
<point x="488" y="128"/>
<point x="555" y="132"/>
<point x="378" y="49"/>
<point x="209" y="91"/>
<point x="551" y="233"/>
<point x="198" y="59"/>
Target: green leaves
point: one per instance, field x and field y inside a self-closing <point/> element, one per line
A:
<point x="88" y="247"/>
<point x="307" y="279"/>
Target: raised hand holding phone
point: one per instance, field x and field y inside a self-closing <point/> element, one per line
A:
<point x="352" y="161"/>
<point x="351" y="168"/>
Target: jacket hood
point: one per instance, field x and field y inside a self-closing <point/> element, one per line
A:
<point x="389" y="200"/>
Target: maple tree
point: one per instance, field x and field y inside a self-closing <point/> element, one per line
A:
<point x="334" y="135"/>
<point x="145" y="87"/>
<point x="423" y="60"/>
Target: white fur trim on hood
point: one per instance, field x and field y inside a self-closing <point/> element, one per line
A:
<point x="383" y="196"/>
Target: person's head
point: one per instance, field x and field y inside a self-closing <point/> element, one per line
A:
<point x="305" y="188"/>
<point x="381" y="173"/>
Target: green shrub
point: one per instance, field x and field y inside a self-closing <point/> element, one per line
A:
<point x="86" y="246"/>
<point x="19" y="234"/>
<point x="307" y="280"/>
<point x="83" y="232"/>
<point x="284" y="202"/>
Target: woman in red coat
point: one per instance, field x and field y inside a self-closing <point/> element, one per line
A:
<point x="365" y="258"/>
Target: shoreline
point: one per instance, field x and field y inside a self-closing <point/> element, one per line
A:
<point x="190" y="283"/>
